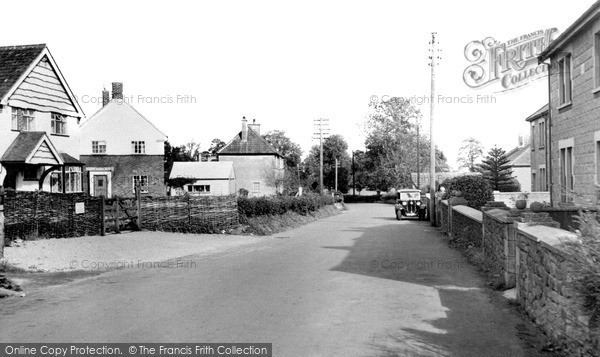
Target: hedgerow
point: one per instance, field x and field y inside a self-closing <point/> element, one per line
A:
<point x="475" y="189"/>
<point x="277" y="205"/>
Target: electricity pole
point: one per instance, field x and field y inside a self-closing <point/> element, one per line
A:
<point x="336" y="175"/>
<point x="323" y="131"/>
<point x="434" y="57"/>
<point x="418" y="158"/>
<point x="353" y="176"/>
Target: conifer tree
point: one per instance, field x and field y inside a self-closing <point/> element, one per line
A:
<point x="495" y="168"/>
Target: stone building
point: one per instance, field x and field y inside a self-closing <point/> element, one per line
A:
<point x="259" y="168"/>
<point x="574" y="111"/>
<point x="539" y="149"/>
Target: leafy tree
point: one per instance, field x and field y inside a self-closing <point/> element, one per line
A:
<point x="360" y="171"/>
<point x="333" y="147"/>
<point x="215" y="145"/>
<point x="286" y="147"/>
<point x="470" y="151"/>
<point x="187" y="152"/>
<point x="495" y="168"/>
<point x="391" y="143"/>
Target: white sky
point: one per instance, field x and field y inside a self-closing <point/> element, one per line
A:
<point x="286" y="63"/>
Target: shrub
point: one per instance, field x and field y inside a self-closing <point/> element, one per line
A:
<point x="512" y="186"/>
<point x="586" y="254"/>
<point x="475" y="189"/>
<point x="278" y="205"/>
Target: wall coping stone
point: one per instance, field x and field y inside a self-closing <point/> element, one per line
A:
<point x="498" y="214"/>
<point x="550" y="237"/>
<point x="445" y="202"/>
<point x="469" y="212"/>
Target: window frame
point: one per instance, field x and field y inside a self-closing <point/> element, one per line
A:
<point x="96" y="150"/>
<point x="139" y="177"/>
<point x="565" y="80"/>
<point x="542" y="134"/>
<point x="73" y="180"/>
<point x="27" y="113"/>
<point x="55" y="119"/>
<point x="138" y="147"/>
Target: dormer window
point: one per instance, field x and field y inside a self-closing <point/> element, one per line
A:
<point x="23" y="119"/>
<point x="59" y="124"/>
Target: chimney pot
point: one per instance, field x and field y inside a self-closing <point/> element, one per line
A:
<point x="117" y="90"/>
<point x="105" y="97"/>
<point x="244" y="130"/>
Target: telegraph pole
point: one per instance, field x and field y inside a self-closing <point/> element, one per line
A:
<point x="323" y="125"/>
<point x="434" y="57"/>
<point x="336" y="176"/>
<point x="418" y="158"/>
<point x="353" y="176"/>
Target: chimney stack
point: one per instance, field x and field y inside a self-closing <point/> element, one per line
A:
<point x="255" y="127"/>
<point x="244" y="130"/>
<point x="117" y="90"/>
<point x="105" y="97"/>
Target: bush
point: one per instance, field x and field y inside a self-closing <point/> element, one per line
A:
<point x="586" y="254"/>
<point x="512" y="186"/>
<point x="278" y="205"/>
<point x="475" y="189"/>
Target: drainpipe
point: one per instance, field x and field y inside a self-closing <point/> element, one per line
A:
<point x="549" y="139"/>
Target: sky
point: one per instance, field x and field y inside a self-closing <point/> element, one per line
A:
<point x="195" y="68"/>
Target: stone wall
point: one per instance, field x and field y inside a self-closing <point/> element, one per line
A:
<point x="443" y="217"/>
<point x="466" y="226"/>
<point x="543" y="288"/>
<point x="509" y="198"/>
<point x="499" y="245"/>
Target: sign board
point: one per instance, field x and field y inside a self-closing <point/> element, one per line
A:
<point x="79" y="207"/>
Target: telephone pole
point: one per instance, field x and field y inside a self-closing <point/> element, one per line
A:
<point x="433" y="57"/>
<point x="321" y="131"/>
<point x="336" y="175"/>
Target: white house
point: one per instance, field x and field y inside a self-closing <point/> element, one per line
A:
<point x="120" y="148"/>
<point x="214" y="178"/>
<point x="39" y="117"/>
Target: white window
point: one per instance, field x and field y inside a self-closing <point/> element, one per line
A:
<point x="542" y="134"/>
<point x="566" y="171"/>
<point x="22" y="119"/>
<point x="98" y="147"/>
<point x="565" y="81"/>
<point x="256" y="187"/>
<point x="59" y="124"/>
<point x="597" y="60"/>
<point x="138" y="147"/>
<point x="199" y="189"/>
<point x="142" y="180"/>
<point x="532" y="136"/>
<point x="543" y="186"/>
<point x="72" y="180"/>
<point x="597" y="149"/>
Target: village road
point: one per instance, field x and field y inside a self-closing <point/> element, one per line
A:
<point x="356" y="284"/>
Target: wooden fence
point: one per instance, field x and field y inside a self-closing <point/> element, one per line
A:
<point x="34" y="215"/>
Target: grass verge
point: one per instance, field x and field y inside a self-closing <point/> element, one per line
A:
<point x="266" y="225"/>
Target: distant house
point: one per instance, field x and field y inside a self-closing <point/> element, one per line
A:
<point x="519" y="160"/>
<point x="39" y="117"/>
<point x="539" y="149"/>
<point x="258" y="166"/>
<point x="120" y="148"/>
<point x="212" y="178"/>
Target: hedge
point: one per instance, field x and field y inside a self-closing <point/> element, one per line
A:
<point x="475" y="189"/>
<point x="362" y="198"/>
<point x="277" y="205"/>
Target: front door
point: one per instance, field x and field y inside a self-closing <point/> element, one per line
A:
<point x="100" y="183"/>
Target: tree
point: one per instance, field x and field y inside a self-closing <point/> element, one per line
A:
<point x="333" y="147"/>
<point x="285" y="146"/>
<point x="187" y="152"/>
<point x="391" y="142"/>
<point x="215" y="145"/>
<point x="495" y="168"/>
<point x="470" y="151"/>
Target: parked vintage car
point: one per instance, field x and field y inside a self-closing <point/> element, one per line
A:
<point x="411" y="204"/>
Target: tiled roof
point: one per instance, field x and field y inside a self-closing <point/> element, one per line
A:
<point x="539" y="113"/>
<point x="514" y="156"/>
<point x="202" y="170"/>
<point x="14" y="61"/>
<point x="70" y="160"/>
<point x="22" y="146"/>
<point x="255" y="145"/>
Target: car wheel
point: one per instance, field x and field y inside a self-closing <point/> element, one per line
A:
<point x="398" y="215"/>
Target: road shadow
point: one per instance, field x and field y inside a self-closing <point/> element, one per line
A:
<point x="475" y="323"/>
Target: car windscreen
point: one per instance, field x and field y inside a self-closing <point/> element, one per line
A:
<point x="410" y="195"/>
